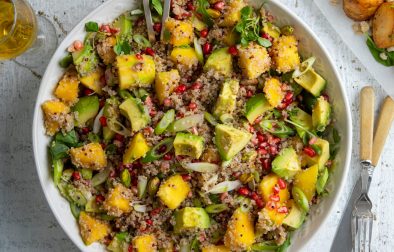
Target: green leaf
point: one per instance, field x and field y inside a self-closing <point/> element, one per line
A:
<point x="91" y="27"/>
<point x="70" y="138"/>
<point x="58" y="150"/>
<point x="66" y="61"/>
<point x="264" y="42"/>
<point x="94" y="138"/>
<point x="285" y="245"/>
<point x="376" y="52"/>
<point x="141" y="41"/>
<point x="123" y="47"/>
<point x="157" y="5"/>
<point x="202" y="6"/>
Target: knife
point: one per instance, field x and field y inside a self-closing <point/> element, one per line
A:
<point x="343" y="238"/>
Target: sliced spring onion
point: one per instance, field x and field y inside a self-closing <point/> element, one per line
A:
<point x="226" y="163"/>
<point x="225" y="186"/>
<point x="201" y="167"/>
<point x="141" y="40"/>
<point x="136" y="12"/>
<point x="322" y="181"/>
<point x="100" y="177"/>
<point x="216" y="208"/>
<point x="186" y="123"/>
<point x="75" y="210"/>
<point x="76" y="195"/>
<point x="124" y="94"/>
<point x="304" y="67"/>
<point x="66" y="175"/>
<point x="210" y="118"/>
<point x="57" y="170"/>
<point x="154" y="154"/>
<point x="300" y="198"/>
<point x="141" y="186"/>
<point x="86" y="173"/>
<point x="264" y="246"/>
<point x="91" y="206"/>
<point x="226" y="118"/>
<point x="198" y="49"/>
<point x="165" y="121"/>
<point x="117" y="127"/>
<point x="97" y="124"/>
<point x="139" y="208"/>
<point x="125" y="177"/>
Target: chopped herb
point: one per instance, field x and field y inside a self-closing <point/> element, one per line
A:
<point x="123" y="47"/>
<point x="377" y="52"/>
<point x="91" y="27"/>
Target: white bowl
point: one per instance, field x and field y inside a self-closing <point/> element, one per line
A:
<point x="309" y="45"/>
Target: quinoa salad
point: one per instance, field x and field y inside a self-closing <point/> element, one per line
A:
<point x="219" y="136"/>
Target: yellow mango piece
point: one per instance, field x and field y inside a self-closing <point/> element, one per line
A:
<point x="90" y="156"/>
<point x="145" y="243"/>
<point x="253" y="60"/>
<point x="92" y="80"/>
<point x="266" y="188"/>
<point x="185" y="57"/>
<point x="182" y="32"/>
<point x="135" y="72"/>
<point x="275" y="217"/>
<point x="285" y="54"/>
<point x="233" y="13"/>
<point x="173" y="191"/>
<point x="54" y="115"/>
<point x="92" y="229"/>
<point x="273" y="91"/>
<point x="136" y="149"/>
<point x="215" y="248"/>
<point x="165" y="83"/>
<point x="240" y="231"/>
<point x="306" y="181"/>
<point x="67" y="88"/>
<point x="118" y="201"/>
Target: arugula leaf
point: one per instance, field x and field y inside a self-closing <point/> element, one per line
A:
<point x="122" y="47"/>
<point x="202" y="6"/>
<point x="70" y="138"/>
<point x="58" y="150"/>
<point x="157" y="5"/>
<point x="91" y="27"/>
<point x="376" y="52"/>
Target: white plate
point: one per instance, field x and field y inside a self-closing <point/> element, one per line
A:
<point x="309" y="45"/>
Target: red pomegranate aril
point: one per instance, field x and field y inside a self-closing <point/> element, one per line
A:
<point x="157" y="27"/>
<point x="105" y="28"/>
<point x="102" y="103"/>
<point x="167" y="157"/>
<point x="196" y="85"/>
<point x="207" y="48"/>
<point x="167" y="102"/>
<point x="233" y="50"/>
<point x="251" y="128"/>
<point x="88" y="92"/>
<point x="249" y="93"/>
<point x="273" y="150"/>
<point x="76" y="175"/>
<point x="186" y="177"/>
<point x="219" y="6"/>
<point x="254" y="195"/>
<point x="309" y="151"/>
<point x="103" y="145"/>
<point x="275" y="197"/>
<point x="282" y="184"/>
<point x="204" y="33"/>
<point x="282" y="209"/>
<point x="152" y="112"/>
<point x="263" y="145"/>
<point x="266" y="36"/>
<point x="119" y="137"/>
<point x="266" y="164"/>
<point x="103" y="121"/>
<point x="155" y="211"/>
<point x="326" y="97"/>
<point x="190" y="6"/>
<point x="150" y="51"/>
<point x="180" y="115"/>
<point x="271" y="205"/>
<point x="180" y="89"/>
<point x="149" y="222"/>
<point x="262" y="151"/>
<point x="100" y="198"/>
<point x="260" y="137"/>
<point x="192" y="106"/>
<point x="130" y="248"/>
<point x="289" y="96"/>
<point x="85" y="130"/>
<point x="112" y="174"/>
<point x="186" y="15"/>
<point x="276" y="189"/>
<point x="139" y="56"/>
<point x="259" y="203"/>
<point x="162" y="149"/>
<point x="243" y="191"/>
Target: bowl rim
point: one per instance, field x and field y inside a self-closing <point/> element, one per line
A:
<point x="92" y="14"/>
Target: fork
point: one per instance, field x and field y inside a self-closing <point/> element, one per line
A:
<point x="149" y="22"/>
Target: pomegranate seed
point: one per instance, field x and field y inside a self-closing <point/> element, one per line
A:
<point x="204" y="33"/>
<point x="263" y="144"/>
<point x="162" y="149"/>
<point x="157" y="27"/>
<point x="260" y="137"/>
<point x="262" y="151"/>
<point x="155" y="211"/>
<point x="180" y="89"/>
<point x="190" y="6"/>
<point x="148" y="130"/>
<point x="139" y="56"/>
<point x="192" y="106"/>
<point x="186" y="15"/>
<point x="326" y="97"/>
<point x="103" y="145"/>
<point x="100" y="198"/>
<point x="309" y="151"/>
<point x="114" y="30"/>
<point x="249" y="93"/>
<point x="251" y="128"/>
<point x="207" y="48"/>
<point x="259" y="203"/>
<point x="105" y="28"/>
<point x="271" y="205"/>
<point x="150" y="51"/>
<point x="289" y="96"/>
<point x="88" y="92"/>
<point x="119" y="137"/>
<point x="219" y="6"/>
<point x="152" y="112"/>
<point x="78" y="45"/>
<point x="266" y="164"/>
<point x="186" y="177"/>
<point x="130" y="248"/>
<point x="102" y="103"/>
<point x="236" y="174"/>
<point x="282" y="209"/>
<point x="258" y="120"/>
<point x="76" y="175"/>
<point x="254" y="196"/>
<point x="103" y="121"/>
<point x="167" y="102"/>
<point x="85" y="130"/>
<point x="255" y="141"/>
<point x="196" y="85"/>
<point x="243" y="191"/>
<point x="312" y="140"/>
<point x="149" y="222"/>
<point x="180" y="115"/>
<point x="275" y="197"/>
<point x="233" y="50"/>
<point x="282" y="184"/>
<point x="276" y="189"/>
<point x="273" y="150"/>
<point x="167" y="157"/>
<point x="112" y="174"/>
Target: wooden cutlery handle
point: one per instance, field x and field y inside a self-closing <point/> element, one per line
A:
<point x="385" y="120"/>
<point x="367" y="107"/>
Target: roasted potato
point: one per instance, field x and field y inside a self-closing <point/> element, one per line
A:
<point x="361" y="10"/>
<point x="383" y="26"/>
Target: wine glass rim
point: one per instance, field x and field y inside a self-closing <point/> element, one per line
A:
<point x="13" y="23"/>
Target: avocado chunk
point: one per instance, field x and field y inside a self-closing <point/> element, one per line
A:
<point x="85" y="109"/>
<point x="135" y="70"/>
<point x="230" y="141"/>
<point x="136" y="112"/>
<point x="110" y="111"/>
<point x="226" y="102"/>
<point x="321" y="159"/>
<point x="256" y="106"/>
<point x="286" y="164"/>
<point x="191" y="217"/>
<point x="85" y="60"/>
<point x="220" y="61"/>
<point x="312" y="82"/>
<point x="187" y="144"/>
<point x="303" y="119"/>
<point x="321" y="112"/>
<point x="296" y="216"/>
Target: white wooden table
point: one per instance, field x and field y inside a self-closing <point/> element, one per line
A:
<point x="27" y="224"/>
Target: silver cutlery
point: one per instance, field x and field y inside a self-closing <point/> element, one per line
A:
<point x="149" y="22"/>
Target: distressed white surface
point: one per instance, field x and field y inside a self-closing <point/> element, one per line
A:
<point x="27" y="224"/>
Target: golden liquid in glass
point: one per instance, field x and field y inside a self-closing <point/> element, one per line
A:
<point x="17" y="33"/>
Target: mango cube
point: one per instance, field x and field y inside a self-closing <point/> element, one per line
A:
<point x="93" y="80"/>
<point x="215" y="248"/>
<point x="273" y="91"/>
<point x="136" y="149"/>
<point x="165" y="83"/>
<point x="92" y="229"/>
<point x="182" y="32"/>
<point x="285" y="54"/>
<point x="54" y="115"/>
<point x="89" y="156"/>
<point x="67" y="88"/>
<point x="266" y="188"/>
<point x="306" y="181"/>
<point x="135" y="70"/>
<point x="145" y="243"/>
<point x="186" y="57"/>
<point x="118" y="201"/>
<point x="253" y="60"/>
<point x="233" y="13"/>
<point x="240" y="231"/>
<point x="173" y="191"/>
